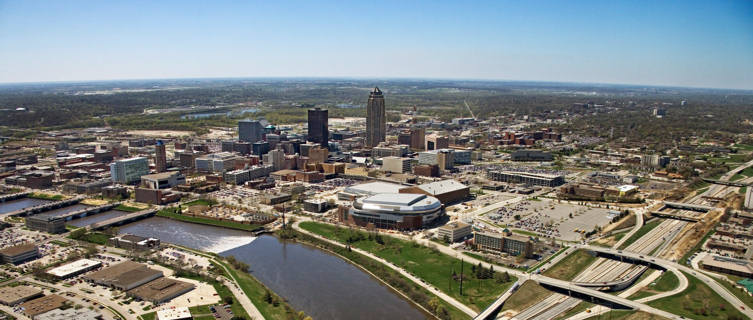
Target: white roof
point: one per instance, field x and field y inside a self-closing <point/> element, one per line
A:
<point x="375" y="187"/>
<point x="174" y="313"/>
<point x="627" y="187"/>
<point x="443" y="186"/>
<point x="74" y="267"/>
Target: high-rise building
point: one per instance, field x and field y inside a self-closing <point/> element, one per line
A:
<point x="129" y="170"/>
<point x="250" y="130"/>
<point x="376" y="121"/>
<point x="160" y="158"/>
<point x="318" y="128"/>
<point x="417" y="136"/>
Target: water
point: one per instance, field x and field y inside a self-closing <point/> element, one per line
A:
<point x="322" y="285"/>
<point x="98" y="217"/>
<point x="19" y="204"/>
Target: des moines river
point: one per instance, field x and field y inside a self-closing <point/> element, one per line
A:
<point x="321" y="284"/>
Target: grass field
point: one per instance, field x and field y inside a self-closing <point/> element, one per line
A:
<point x="44" y="196"/>
<point x="126" y="208"/>
<point x="168" y="213"/>
<point x="94" y="237"/>
<point x="641" y="232"/>
<point x="527" y="295"/>
<point x="203" y="202"/>
<point x="666" y="282"/>
<point x="571" y="266"/>
<point x="424" y="262"/>
<point x="740" y="293"/>
<point x="698" y="301"/>
<point x="628" y="315"/>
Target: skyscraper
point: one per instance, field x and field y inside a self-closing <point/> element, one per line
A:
<point x="249" y="130"/>
<point x="160" y="158"/>
<point x="376" y="122"/>
<point x="318" y="127"/>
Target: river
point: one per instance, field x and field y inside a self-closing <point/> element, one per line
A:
<point x="19" y="204"/>
<point x="321" y="284"/>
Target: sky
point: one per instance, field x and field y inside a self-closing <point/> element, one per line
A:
<point x="672" y="43"/>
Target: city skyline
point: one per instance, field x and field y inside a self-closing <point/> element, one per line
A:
<point x="683" y="44"/>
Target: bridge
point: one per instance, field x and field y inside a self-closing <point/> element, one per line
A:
<point x="13" y="196"/>
<point x="674" y="216"/>
<point x="44" y="207"/>
<point x="687" y="206"/>
<point x="615" y="285"/>
<point x="726" y="183"/>
<point x="88" y="211"/>
<point x="491" y="311"/>
<point x="116" y="221"/>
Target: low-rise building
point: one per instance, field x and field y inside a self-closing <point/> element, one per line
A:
<point x="536" y="179"/>
<point x="70" y="314"/>
<point x="74" y="268"/>
<point x="133" y="242"/>
<point x="396" y="164"/>
<point x="161" y="290"/>
<point x="11" y="296"/>
<point x="46" y="223"/>
<point x="124" y="276"/>
<point x="163" y="180"/>
<point x="177" y="313"/>
<point x="504" y="242"/>
<point x="454" y="231"/>
<point x="531" y="155"/>
<point x="740" y="268"/>
<point x="447" y="191"/>
<point x="20" y="253"/>
<point x="33" y="308"/>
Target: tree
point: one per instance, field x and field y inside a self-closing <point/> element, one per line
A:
<point x="228" y="300"/>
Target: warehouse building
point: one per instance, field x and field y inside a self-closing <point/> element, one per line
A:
<point x="20" y="253"/>
<point x="124" y="276"/>
<point x="33" y="308"/>
<point x="161" y="290"/>
<point x="740" y="268"/>
<point x="133" y="242"/>
<point x="74" y="268"/>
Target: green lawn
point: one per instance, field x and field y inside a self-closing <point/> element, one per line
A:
<point x="94" y="237"/>
<point x="571" y="266"/>
<point x="169" y="213"/>
<point x="627" y="315"/>
<point x="255" y="291"/>
<point x="666" y="282"/>
<point x="44" y="196"/>
<point x="526" y="296"/>
<point x="739" y="292"/>
<point x="641" y="232"/>
<point x="745" y="147"/>
<point x="424" y="262"/>
<point x="203" y="202"/>
<point x="698" y="301"/>
<point x="126" y="208"/>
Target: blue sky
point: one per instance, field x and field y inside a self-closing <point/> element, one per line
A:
<point x="678" y="43"/>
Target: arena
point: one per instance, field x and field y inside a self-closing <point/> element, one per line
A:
<point x="395" y="211"/>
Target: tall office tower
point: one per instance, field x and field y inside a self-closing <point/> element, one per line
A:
<point x="160" y="159"/>
<point x="417" y="136"/>
<point x="376" y="122"/>
<point x="129" y="170"/>
<point x="249" y="130"/>
<point x="318" y="128"/>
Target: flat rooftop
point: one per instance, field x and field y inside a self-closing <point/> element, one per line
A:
<point x="160" y="176"/>
<point x="70" y="314"/>
<point x="161" y="289"/>
<point x="174" y="313"/>
<point x="727" y="263"/>
<point x="444" y="186"/>
<point x="400" y="199"/>
<point x="374" y="188"/>
<point x="74" y="267"/>
<point x="19" y="249"/>
<point x="9" y="295"/>
<point x="43" y="304"/>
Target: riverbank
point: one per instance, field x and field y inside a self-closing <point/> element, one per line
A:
<point x="425" y="299"/>
<point x="481" y="286"/>
<point x="170" y="213"/>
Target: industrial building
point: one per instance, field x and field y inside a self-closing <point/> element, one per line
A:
<point x="129" y="171"/>
<point x="740" y="268"/>
<point x="161" y="290"/>
<point x="454" y="231"/>
<point x="504" y="242"/>
<point x="394" y="211"/>
<point x="20" y="253"/>
<point x="124" y="276"/>
<point x="74" y="268"/>
<point x="527" y="178"/>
